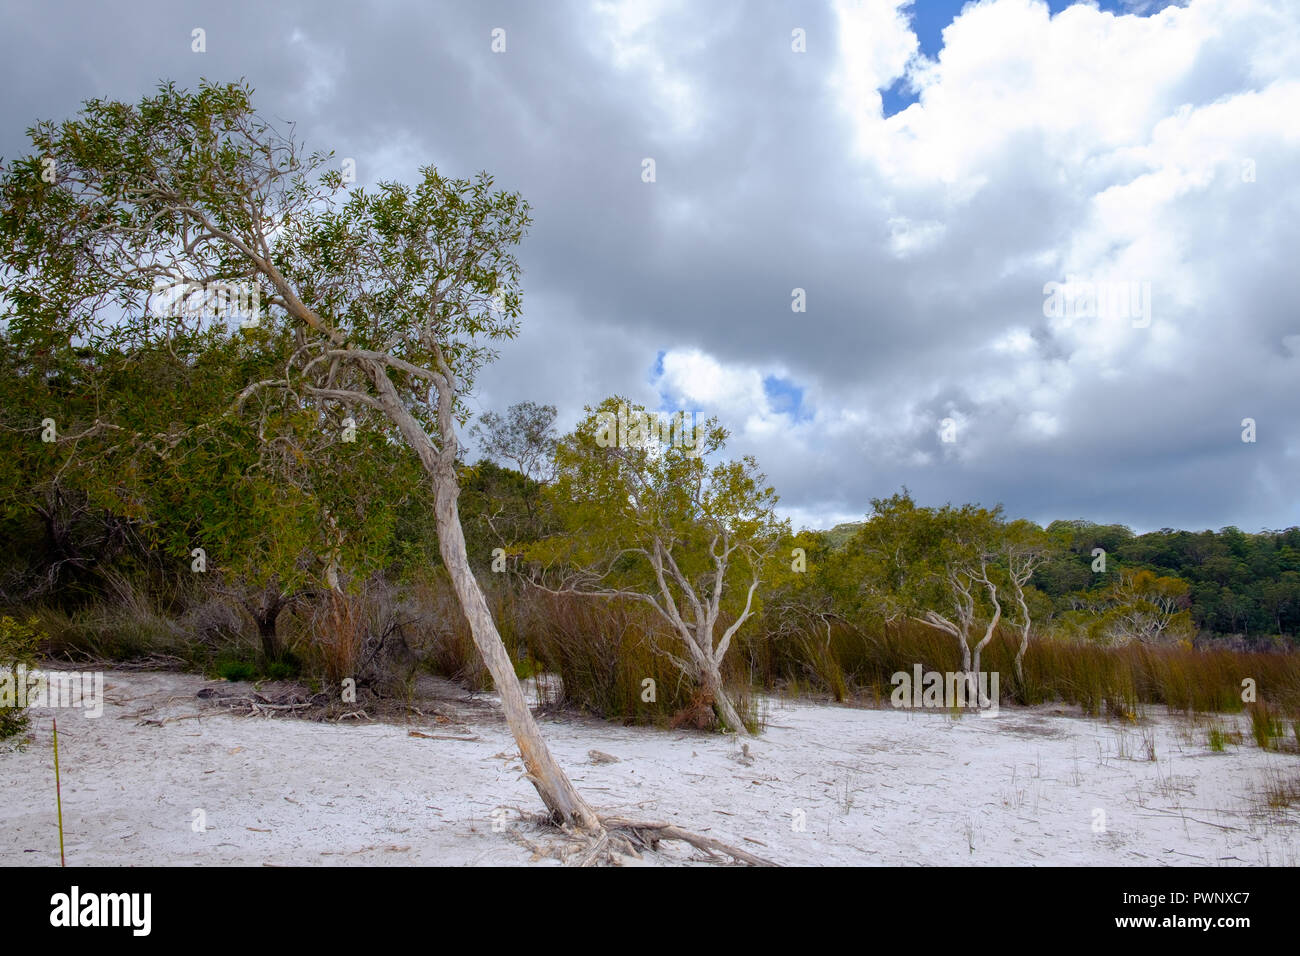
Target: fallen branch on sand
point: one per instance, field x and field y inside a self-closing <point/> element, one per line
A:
<point x="255" y="707"/>
<point x="155" y="722"/>
<point x="259" y="705"/>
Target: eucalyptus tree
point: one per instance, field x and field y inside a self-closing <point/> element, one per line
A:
<point x="1023" y="549"/>
<point x="519" y="459"/>
<point x="523" y="437"/>
<point x="1140" y="606"/>
<point x="394" y="298"/>
<point x="935" y="566"/>
<point x="646" y="515"/>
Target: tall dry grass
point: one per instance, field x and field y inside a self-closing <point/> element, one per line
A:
<point x="603" y="652"/>
<point x="337" y="632"/>
<point x="857" y="663"/>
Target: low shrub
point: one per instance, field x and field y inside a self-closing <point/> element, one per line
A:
<point x="18" y="642"/>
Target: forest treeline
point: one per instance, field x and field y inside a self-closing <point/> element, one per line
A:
<point x="1242" y="587"/>
<point x="152" y="527"/>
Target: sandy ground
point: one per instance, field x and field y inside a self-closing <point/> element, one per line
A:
<point x="1031" y="786"/>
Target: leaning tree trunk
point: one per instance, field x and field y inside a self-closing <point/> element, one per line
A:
<point x="555" y="788"/>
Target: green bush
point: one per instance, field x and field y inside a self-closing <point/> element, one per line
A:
<point x="17" y="650"/>
<point x="233" y="665"/>
<point x="235" y="670"/>
<point x="288" y="667"/>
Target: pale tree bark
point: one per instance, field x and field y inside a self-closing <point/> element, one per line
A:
<point x="722" y="702"/>
<point x="552" y="784"/>
<point x="972" y="676"/>
<point x="1024" y="625"/>
<point x="707" y="609"/>
<point x="691" y="613"/>
<point x="554" y="787"/>
<point x="332" y="557"/>
<point x="963" y="584"/>
<point x="726" y="709"/>
<point x="1021" y="567"/>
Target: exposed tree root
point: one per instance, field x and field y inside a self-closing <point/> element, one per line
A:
<point x="620" y="839"/>
<point x="647" y="835"/>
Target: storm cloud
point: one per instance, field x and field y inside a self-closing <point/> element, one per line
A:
<point x="921" y="173"/>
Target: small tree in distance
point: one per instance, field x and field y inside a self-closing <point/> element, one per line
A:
<point x="1023" y="548"/>
<point x="1140" y="607"/>
<point x="524" y="437"/>
<point x="656" y="522"/>
<point x="937" y="567"/>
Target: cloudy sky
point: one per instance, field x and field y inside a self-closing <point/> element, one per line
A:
<point x="921" y="171"/>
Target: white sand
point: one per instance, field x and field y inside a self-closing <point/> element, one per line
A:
<point x="875" y="786"/>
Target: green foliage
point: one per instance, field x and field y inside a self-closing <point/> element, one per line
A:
<point x="525" y="668"/>
<point x="288" y="667"/>
<point x="1241" y="584"/>
<point x="841" y="534"/>
<point x="1142" y="607"/>
<point x="501" y="508"/>
<point x="962" y="571"/>
<point x="18" y="644"/>
<point x="524" y="438"/>
<point x="237" y="664"/>
<point x="232" y="669"/>
<point x="913" y="560"/>
<point x="653" y="517"/>
<point x="243" y="428"/>
<point x="264" y="445"/>
<point x="616" y="502"/>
